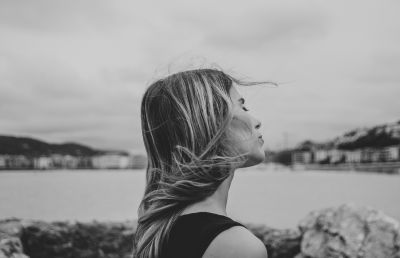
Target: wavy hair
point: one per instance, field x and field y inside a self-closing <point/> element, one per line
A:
<point x="184" y="119"/>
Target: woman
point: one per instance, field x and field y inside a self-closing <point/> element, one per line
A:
<point x="196" y="131"/>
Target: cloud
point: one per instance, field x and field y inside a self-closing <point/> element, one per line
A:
<point x="382" y="69"/>
<point x="76" y="71"/>
<point x="263" y="29"/>
<point x="57" y="17"/>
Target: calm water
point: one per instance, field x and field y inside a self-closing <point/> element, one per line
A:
<point x="276" y="198"/>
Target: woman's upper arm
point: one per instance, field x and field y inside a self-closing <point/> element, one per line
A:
<point x="236" y="242"/>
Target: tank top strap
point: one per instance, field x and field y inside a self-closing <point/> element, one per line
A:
<point x="210" y="231"/>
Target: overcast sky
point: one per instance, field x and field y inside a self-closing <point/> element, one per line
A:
<point x="76" y="70"/>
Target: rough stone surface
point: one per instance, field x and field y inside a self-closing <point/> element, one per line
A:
<point x="346" y="231"/>
<point x="11" y="247"/>
<point x="65" y="240"/>
<point x="83" y="240"/>
<point x="11" y="227"/>
<point x="10" y="243"/>
<point x="349" y="231"/>
<point x="279" y="243"/>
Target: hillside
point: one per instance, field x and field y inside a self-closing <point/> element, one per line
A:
<point x="31" y="147"/>
<point x="374" y="137"/>
<point x="377" y="137"/>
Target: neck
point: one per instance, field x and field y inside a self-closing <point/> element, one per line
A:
<point x="216" y="203"/>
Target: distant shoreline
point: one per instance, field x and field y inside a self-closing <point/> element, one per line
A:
<point x="375" y="167"/>
<point x="388" y="168"/>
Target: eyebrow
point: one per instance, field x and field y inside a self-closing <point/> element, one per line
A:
<point x="241" y="100"/>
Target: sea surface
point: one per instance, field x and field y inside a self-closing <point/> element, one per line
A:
<point x="277" y="198"/>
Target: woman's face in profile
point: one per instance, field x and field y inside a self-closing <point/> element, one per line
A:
<point x="243" y="131"/>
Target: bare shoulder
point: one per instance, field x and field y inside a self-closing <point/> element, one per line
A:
<point x="236" y="242"/>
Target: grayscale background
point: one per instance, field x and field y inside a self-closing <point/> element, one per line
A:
<point x="75" y="71"/>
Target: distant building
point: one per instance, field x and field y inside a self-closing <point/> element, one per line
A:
<point x="303" y="157"/>
<point x="57" y="160"/>
<point x="85" y="162"/>
<point x="109" y="161"/>
<point x="69" y="162"/>
<point x="64" y="161"/>
<point x="336" y="156"/>
<point x="370" y="155"/>
<point x="321" y="155"/>
<point x="17" y="162"/>
<point x="353" y="156"/>
<point x="42" y="163"/>
<point x="376" y="155"/>
<point x="3" y="161"/>
<point x="391" y="153"/>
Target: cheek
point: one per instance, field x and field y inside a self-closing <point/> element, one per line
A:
<point x="241" y="132"/>
<point x="241" y="125"/>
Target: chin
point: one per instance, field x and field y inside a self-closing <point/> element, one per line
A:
<point x="254" y="159"/>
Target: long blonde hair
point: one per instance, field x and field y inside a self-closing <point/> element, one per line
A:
<point x="184" y="125"/>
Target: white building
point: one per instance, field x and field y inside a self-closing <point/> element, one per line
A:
<point x="335" y="155"/>
<point x="57" y="160"/>
<point x="43" y="163"/>
<point x="353" y="156"/>
<point x="301" y="157"/>
<point x="370" y="155"/>
<point x="3" y="161"/>
<point x="390" y="153"/>
<point x="18" y="162"/>
<point x="69" y="161"/>
<point x="320" y="155"/>
<point x="116" y="161"/>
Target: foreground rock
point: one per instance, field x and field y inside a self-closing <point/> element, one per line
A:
<point x="11" y="247"/>
<point x="10" y="243"/>
<point x="38" y="239"/>
<point x="346" y="231"/>
<point x="279" y="243"/>
<point x="349" y="232"/>
<point x="69" y="240"/>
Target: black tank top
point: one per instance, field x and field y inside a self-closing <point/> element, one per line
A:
<point x="192" y="233"/>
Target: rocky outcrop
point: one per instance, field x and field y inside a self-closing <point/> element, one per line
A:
<point x="10" y="243"/>
<point x="349" y="231"/>
<point x="66" y="240"/>
<point x="110" y="240"/>
<point x="279" y="243"/>
<point x="346" y="231"/>
<point x="11" y="247"/>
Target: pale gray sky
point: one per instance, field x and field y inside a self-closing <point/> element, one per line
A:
<point x="76" y="70"/>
